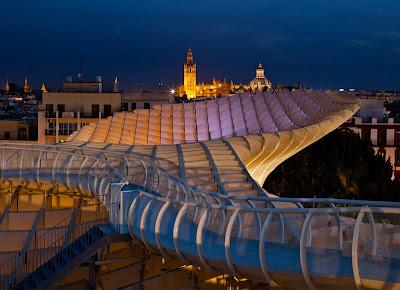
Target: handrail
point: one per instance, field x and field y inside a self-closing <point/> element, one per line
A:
<point x="200" y="192"/>
<point x="36" y="222"/>
<point x="72" y="223"/>
<point x="308" y="244"/>
<point x="12" y="271"/>
<point x="266" y="210"/>
<point x="13" y="198"/>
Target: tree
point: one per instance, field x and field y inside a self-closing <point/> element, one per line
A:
<point x="340" y="165"/>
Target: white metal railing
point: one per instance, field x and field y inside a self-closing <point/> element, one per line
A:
<point x="334" y="243"/>
<point x="219" y="231"/>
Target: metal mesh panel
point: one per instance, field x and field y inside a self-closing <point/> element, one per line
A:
<point x="279" y="267"/>
<point x="244" y="242"/>
<point x="187" y="232"/>
<point x="167" y="226"/>
<point x="323" y="241"/>
<point x="213" y="237"/>
<point x="377" y="249"/>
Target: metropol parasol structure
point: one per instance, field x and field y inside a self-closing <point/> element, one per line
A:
<point x="184" y="180"/>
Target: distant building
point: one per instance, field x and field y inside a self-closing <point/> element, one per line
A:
<point x="81" y="102"/>
<point x="260" y="82"/>
<point x="144" y="99"/>
<point x="77" y="104"/>
<point x="18" y="129"/>
<point x="217" y="88"/>
<point x="384" y="134"/>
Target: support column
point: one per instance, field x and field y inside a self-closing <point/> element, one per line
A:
<point x="57" y="127"/>
<point x="41" y="127"/>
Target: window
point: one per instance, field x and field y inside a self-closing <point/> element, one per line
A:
<point x="107" y="110"/>
<point x="95" y="111"/>
<point x="50" y="111"/>
<point x="382" y="137"/>
<point x="49" y="107"/>
<point x="125" y="107"/>
<point x="66" y="128"/>
<point x="397" y="138"/>
<point x="61" y="108"/>
<point x="147" y="105"/>
<point x="7" y="135"/>
<point x="397" y="157"/>
<point x="22" y="134"/>
<point x="133" y="106"/>
<point x="366" y="133"/>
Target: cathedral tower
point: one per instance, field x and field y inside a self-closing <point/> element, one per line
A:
<point x="189" y="76"/>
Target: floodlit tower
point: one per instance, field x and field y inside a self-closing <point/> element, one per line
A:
<point x="26" y="85"/>
<point x="189" y="76"/>
<point x="6" y="87"/>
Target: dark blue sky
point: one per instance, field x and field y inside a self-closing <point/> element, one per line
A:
<point x="340" y="43"/>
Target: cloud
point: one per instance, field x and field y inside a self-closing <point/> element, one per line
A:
<point x="396" y="49"/>
<point x="388" y="34"/>
<point x="360" y="42"/>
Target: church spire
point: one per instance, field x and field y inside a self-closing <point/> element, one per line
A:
<point x="116" y="88"/>
<point x="26" y="85"/>
<point x="6" y="86"/>
<point x="43" y="88"/>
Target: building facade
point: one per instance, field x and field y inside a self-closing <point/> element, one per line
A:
<point x="384" y="134"/>
<point x="217" y="88"/>
<point x="144" y="99"/>
<point x="18" y="130"/>
<point x="77" y="104"/>
<point x="80" y="103"/>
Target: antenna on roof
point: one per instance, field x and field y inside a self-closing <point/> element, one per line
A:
<point x="80" y="67"/>
<point x="118" y="38"/>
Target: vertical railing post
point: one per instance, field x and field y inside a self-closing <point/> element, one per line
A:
<point x="354" y="249"/>
<point x="143" y="223"/>
<point x="227" y="243"/>
<point x="159" y="219"/>
<point x="305" y="238"/>
<point x="177" y="223"/>
<point x="199" y="238"/>
<point x="262" y="253"/>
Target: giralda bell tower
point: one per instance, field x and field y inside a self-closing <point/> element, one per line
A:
<point x="189" y="76"/>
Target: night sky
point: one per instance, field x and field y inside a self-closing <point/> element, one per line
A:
<point x="339" y="43"/>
